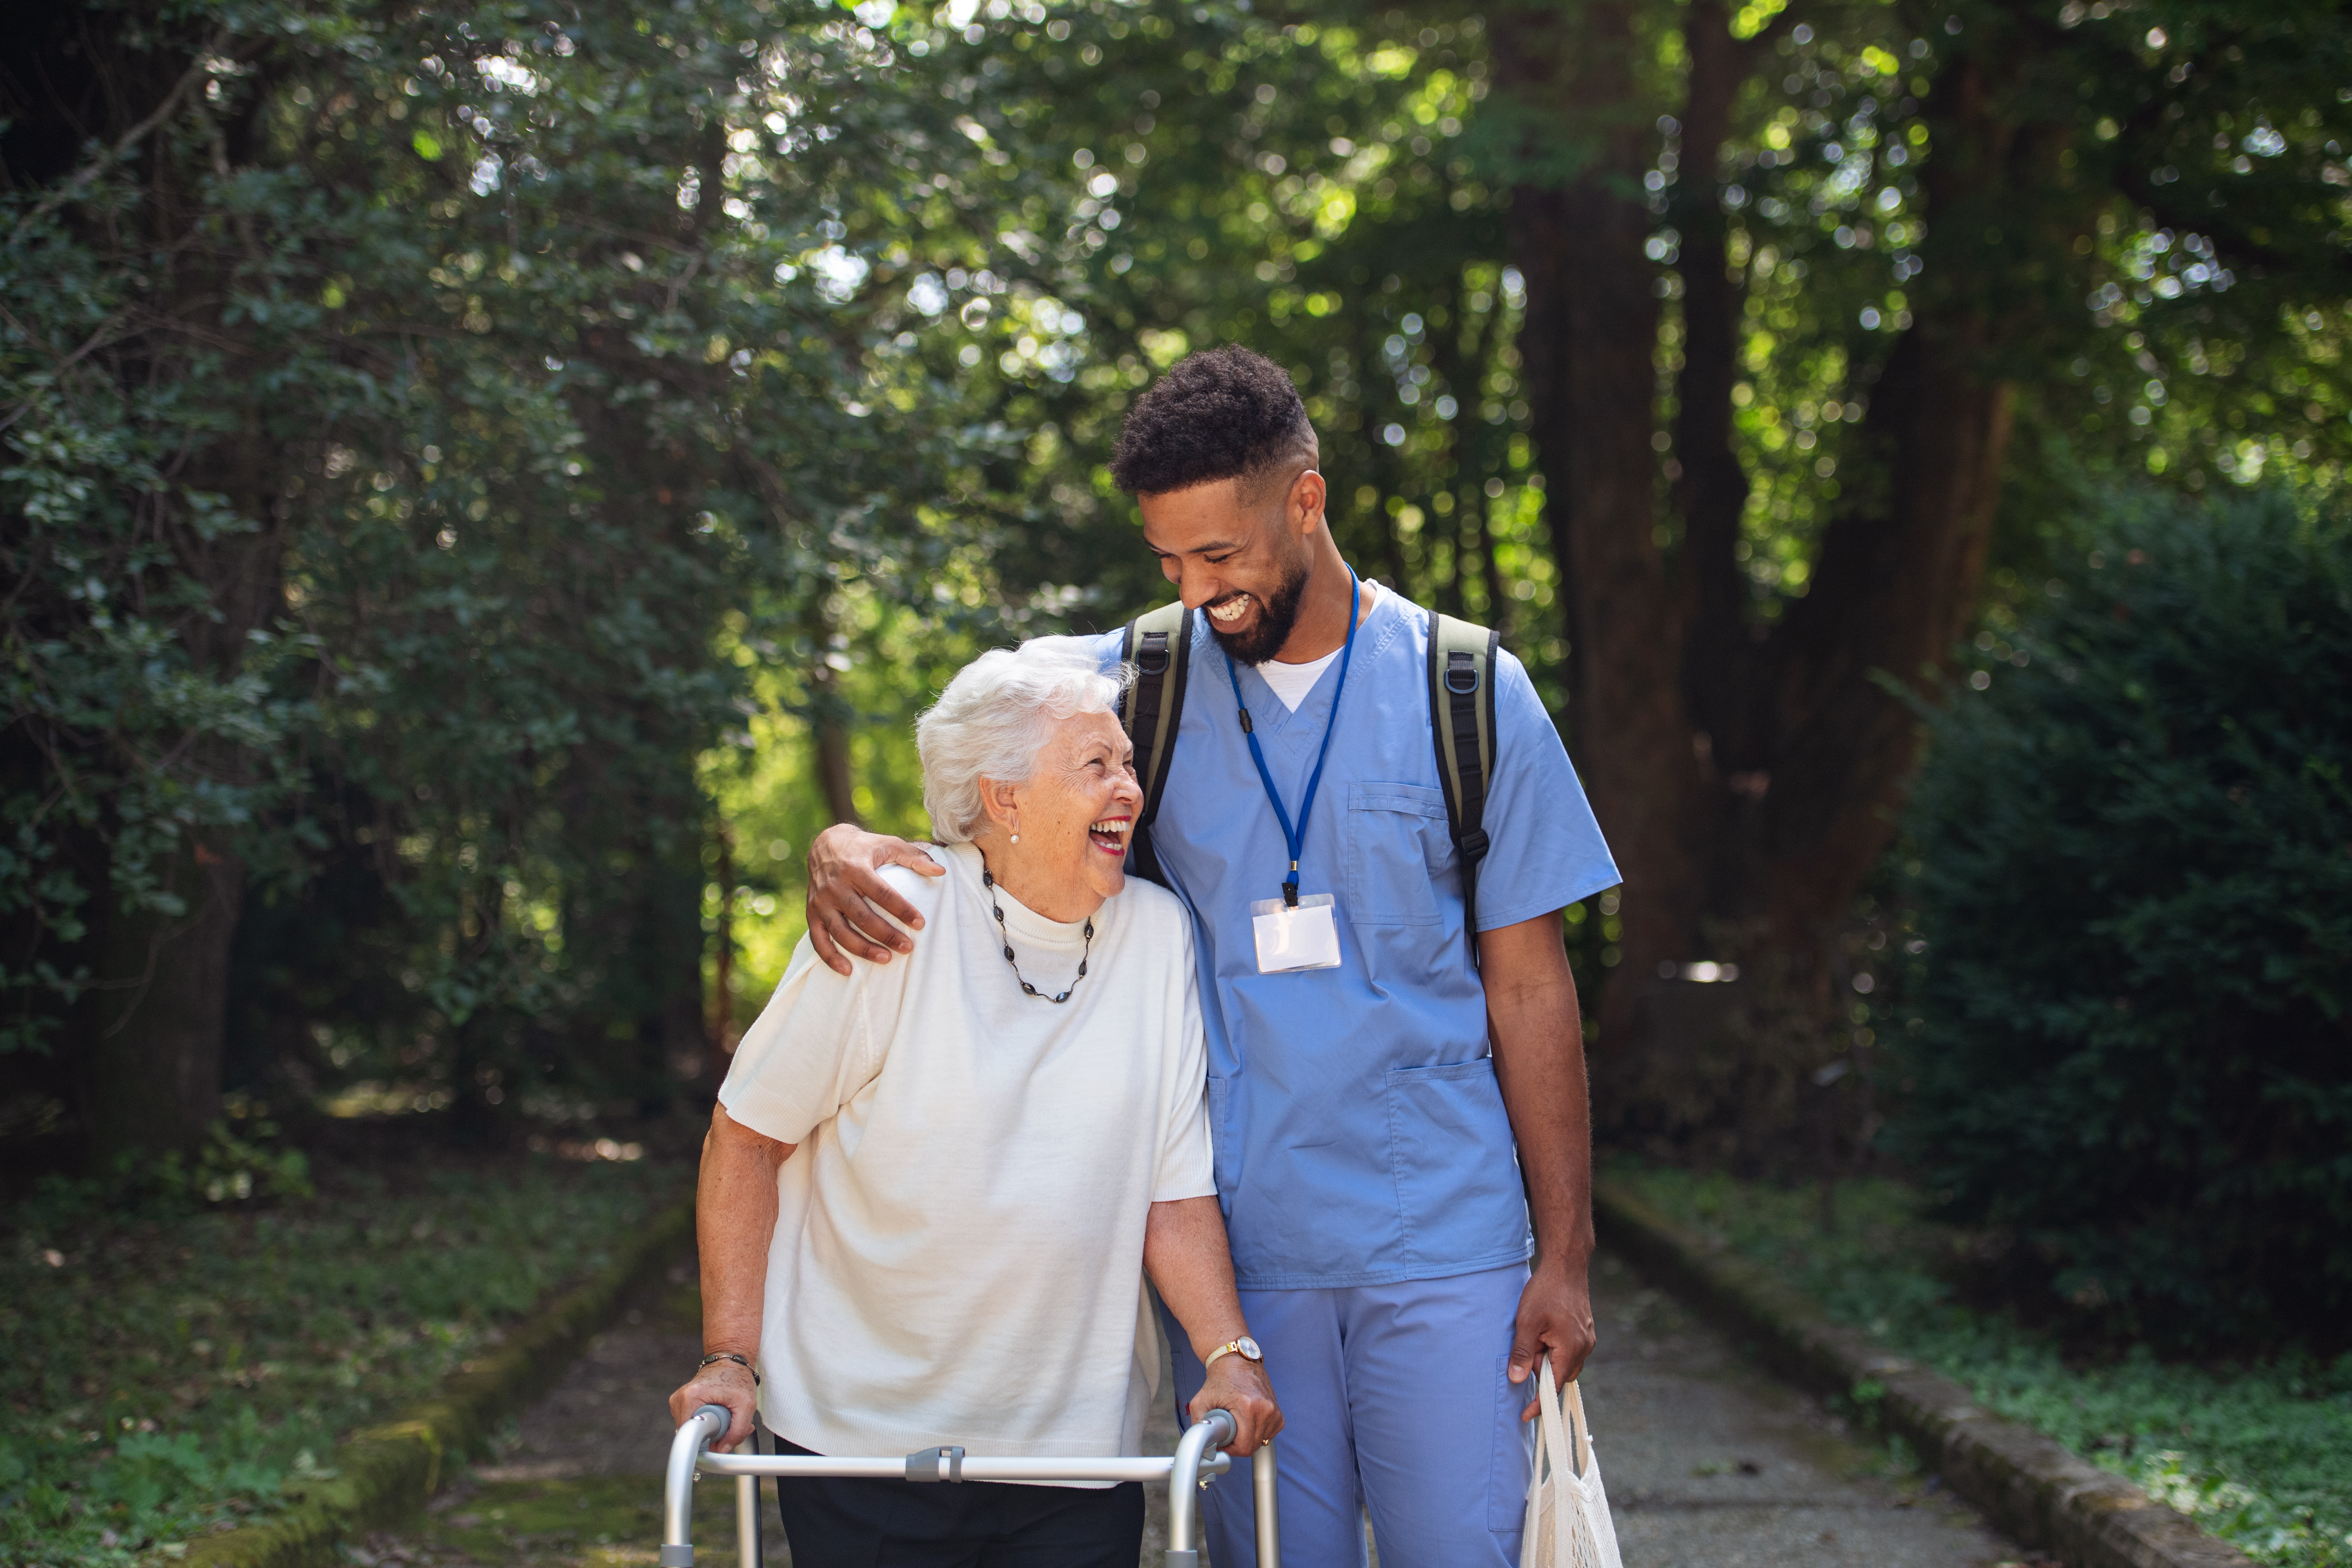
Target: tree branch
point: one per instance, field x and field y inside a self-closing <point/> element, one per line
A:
<point x="79" y="182"/>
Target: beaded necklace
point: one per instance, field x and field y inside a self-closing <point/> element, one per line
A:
<point x="988" y="881"/>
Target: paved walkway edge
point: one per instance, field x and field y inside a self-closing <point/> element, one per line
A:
<point x="385" y="1473"/>
<point x="2027" y="1484"/>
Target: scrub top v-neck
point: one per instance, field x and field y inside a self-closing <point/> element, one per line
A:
<point x="1360" y="1133"/>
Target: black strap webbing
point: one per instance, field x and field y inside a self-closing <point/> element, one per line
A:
<point x="1462" y="658"/>
<point x="1159" y="643"/>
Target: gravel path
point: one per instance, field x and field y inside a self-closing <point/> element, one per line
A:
<point x="1708" y="1463"/>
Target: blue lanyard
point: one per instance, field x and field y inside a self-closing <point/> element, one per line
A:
<point x="1295" y="836"/>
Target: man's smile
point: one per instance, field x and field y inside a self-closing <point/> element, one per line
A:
<point x="1227" y="611"/>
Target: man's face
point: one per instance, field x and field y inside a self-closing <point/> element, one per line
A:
<point x="1241" y="555"/>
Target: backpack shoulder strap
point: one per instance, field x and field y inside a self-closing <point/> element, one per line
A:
<point x="1462" y="661"/>
<point x="1159" y="643"/>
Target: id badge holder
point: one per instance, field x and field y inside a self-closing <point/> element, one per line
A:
<point x="1291" y="939"/>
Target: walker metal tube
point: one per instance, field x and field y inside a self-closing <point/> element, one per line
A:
<point x="1214" y="1431"/>
<point x="1197" y="1455"/>
<point x="747" y="1519"/>
<point x="677" y="1489"/>
<point x="1269" y="1528"/>
<point x="973" y="1469"/>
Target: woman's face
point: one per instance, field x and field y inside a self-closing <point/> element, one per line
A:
<point x="1073" y="817"/>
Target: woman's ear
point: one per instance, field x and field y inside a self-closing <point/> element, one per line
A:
<point x="1001" y="801"/>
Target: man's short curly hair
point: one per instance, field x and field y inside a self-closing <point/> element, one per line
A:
<point x="1222" y="414"/>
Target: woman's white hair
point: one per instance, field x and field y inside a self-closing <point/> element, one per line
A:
<point x="991" y="721"/>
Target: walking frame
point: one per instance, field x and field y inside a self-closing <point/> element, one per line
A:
<point x="1196" y="1459"/>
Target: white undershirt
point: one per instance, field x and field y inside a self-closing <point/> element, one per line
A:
<point x="959" y="1247"/>
<point x="1292" y="682"/>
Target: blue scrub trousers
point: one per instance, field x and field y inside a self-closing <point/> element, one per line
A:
<point x="1397" y="1402"/>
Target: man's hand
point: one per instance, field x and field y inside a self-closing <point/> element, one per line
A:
<point x="844" y="887"/>
<point x="1239" y="1387"/>
<point x="1555" y="1320"/>
<point x="721" y="1383"/>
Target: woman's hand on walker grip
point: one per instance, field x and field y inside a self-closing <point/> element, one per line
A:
<point x="845" y="886"/>
<point x="1240" y="1389"/>
<point x="723" y="1382"/>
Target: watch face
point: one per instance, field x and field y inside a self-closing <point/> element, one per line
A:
<point x="1248" y="1348"/>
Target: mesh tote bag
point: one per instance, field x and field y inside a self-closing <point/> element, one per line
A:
<point x="1567" y="1523"/>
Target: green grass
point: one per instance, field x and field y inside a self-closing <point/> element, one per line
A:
<point x="165" y="1373"/>
<point x="2259" y="1453"/>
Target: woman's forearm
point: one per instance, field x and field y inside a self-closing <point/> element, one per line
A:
<point x="734" y="1225"/>
<point x="1185" y="1253"/>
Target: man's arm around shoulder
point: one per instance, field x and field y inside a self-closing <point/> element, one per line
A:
<point x="1537" y="1033"/>
<point x="846" y="888"/>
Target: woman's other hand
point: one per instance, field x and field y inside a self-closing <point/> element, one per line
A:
<point x="725" y="1383"/>
<point x="1240" y="1388"/>
<point x="845" y="888"/>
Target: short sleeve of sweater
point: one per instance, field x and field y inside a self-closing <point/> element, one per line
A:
<point x="822" y="1038"/>
<point x="1187" y="1165"/>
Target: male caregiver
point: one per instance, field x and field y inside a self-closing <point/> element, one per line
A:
<point x="1390" y="1107"/>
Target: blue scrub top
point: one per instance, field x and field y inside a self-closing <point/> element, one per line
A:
<point x="1360" y="1132"/>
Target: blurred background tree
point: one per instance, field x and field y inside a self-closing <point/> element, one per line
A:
<point x="494" y="481"/>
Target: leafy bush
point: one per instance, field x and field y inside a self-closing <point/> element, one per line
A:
<point x="2134" y="876"/>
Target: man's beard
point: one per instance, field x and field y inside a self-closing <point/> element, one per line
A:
<point x="1263" y="640"/>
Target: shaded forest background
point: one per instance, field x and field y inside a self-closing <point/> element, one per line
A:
<point x="483" y="483"/>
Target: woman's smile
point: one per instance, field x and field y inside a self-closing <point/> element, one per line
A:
<point x="1109" y="835"/>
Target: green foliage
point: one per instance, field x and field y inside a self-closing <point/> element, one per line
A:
<point x="452" y="431"/>
<point x="233" y="1166"/>
<point x="2259" y="1452"/>
<point x="2135" y="1003"/>
<point x="170" y="1371"/>
<point x="500" y="360"/>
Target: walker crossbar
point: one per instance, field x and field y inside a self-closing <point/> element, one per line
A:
<point x="1196" y="1457"/>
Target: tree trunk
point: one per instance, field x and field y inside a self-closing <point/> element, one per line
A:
<point x="1899" y="568"/>
<point x="163" y="979"/>
<point x="1588" y="347"/>
<point x="828" y="715"/>
<point x="722" y="973"/>
<point x="155" y="1068"/>
<point x="1746" y="775"/>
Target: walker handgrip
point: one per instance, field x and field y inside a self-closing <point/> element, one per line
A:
<point x="696" y="1433"/>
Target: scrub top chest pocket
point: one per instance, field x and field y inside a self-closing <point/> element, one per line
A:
<point x="1397" y="847"/>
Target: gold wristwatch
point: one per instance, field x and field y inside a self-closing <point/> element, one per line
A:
<point x="1244" y="1347"/>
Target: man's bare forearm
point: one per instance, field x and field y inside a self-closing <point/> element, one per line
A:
<point x="1537" y="1031"/>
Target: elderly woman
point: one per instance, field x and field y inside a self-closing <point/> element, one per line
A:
<point x="932" y="1190"/>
